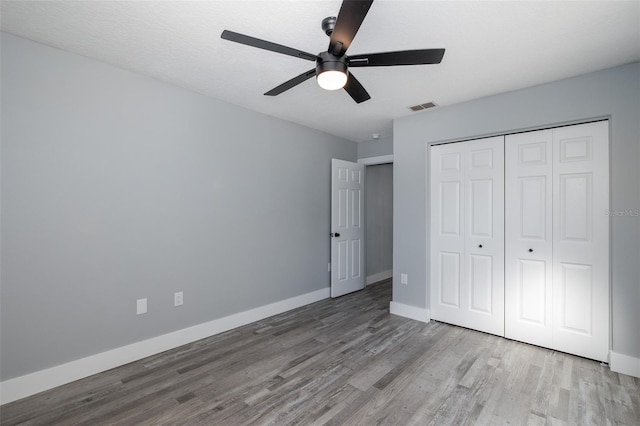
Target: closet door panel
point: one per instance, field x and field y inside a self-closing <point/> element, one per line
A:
<point x="532" y="296"/>
<point x="528" y="243"/>
<point x="449" y="194"/>
<point x="480" y="207"/>
<point x="467" y="247"/>
<point x="447" y="231"/>
<point x="481" y="284"/>
<point x="581" y="240"/>
<point x="534" y="197"/>
<point x="480" y="272"/>
<point x="448" y="279"/>
<point x="576" y="211"/>
<point x="450" y="242"/>
<point x="484" y="234"/>
<point x="576" y="298"/>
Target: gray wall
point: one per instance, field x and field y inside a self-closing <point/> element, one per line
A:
<point x="117" y="187"/>
<point x="375" y="148"/>
<point x="379" y="218"/>
<point x="614" y="92"/>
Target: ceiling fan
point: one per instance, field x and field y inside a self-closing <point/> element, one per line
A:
<point x="332" y="66"/>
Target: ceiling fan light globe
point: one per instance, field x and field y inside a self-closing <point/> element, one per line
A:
<point x="332" y="79"/>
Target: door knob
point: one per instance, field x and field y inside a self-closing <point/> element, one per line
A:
<point x="530" y="250"/>
<point x="480" y="246"/>
<point x="335" y="234"/>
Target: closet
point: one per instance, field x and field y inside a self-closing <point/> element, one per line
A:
<point x="519" y="237"/>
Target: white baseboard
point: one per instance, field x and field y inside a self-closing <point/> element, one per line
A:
<point x="412" y="312"/>
<point x="624" y="364"/>
<point x="30" y="384"/>
<point x="384" y="275"/>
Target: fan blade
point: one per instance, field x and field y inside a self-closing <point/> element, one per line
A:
<point x="266" y="45"/>
<point x="350" y="17"/>
<point x="402" y="57"/>
<point x="356" y="90"/>
<point x="291" y="83"/>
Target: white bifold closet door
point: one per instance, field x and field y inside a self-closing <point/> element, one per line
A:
<point x="529" y="237"/>
<point x="557" y="243"/>
<point x="467" y="234"/>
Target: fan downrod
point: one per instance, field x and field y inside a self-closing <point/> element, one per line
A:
<point x="328" y="24"/>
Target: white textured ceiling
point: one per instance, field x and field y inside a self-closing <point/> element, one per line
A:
<point x="491" y="47"/>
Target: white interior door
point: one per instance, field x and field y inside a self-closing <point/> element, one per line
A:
<point x="467" y="234"/>
<point x="529" y="242"/>
<point x="347" y="227"/>
<point x="581" y="240"/>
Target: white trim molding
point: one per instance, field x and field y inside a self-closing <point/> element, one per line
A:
<point x="412" y="312"/>
<point x="382" y="159"/>
<point x="380" y="276"/>
<point x="30" y="384"/>
<point x="624" y="364"/>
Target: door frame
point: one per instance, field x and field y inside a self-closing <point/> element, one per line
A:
<point x="373" y="161"/>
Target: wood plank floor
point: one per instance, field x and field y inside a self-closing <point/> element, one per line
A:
<point x="343" y="362"/>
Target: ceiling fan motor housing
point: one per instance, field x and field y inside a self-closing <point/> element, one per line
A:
<point x="328" y="62"/>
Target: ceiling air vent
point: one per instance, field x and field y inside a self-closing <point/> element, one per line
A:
<point x="422" y="106"/>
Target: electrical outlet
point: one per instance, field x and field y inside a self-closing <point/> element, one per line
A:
<point x="141" y="306"/>
<point x="404" y="279"/>
<point x="178" y="298"/>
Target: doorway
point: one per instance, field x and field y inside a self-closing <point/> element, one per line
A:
<point x="378" y="222"/>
